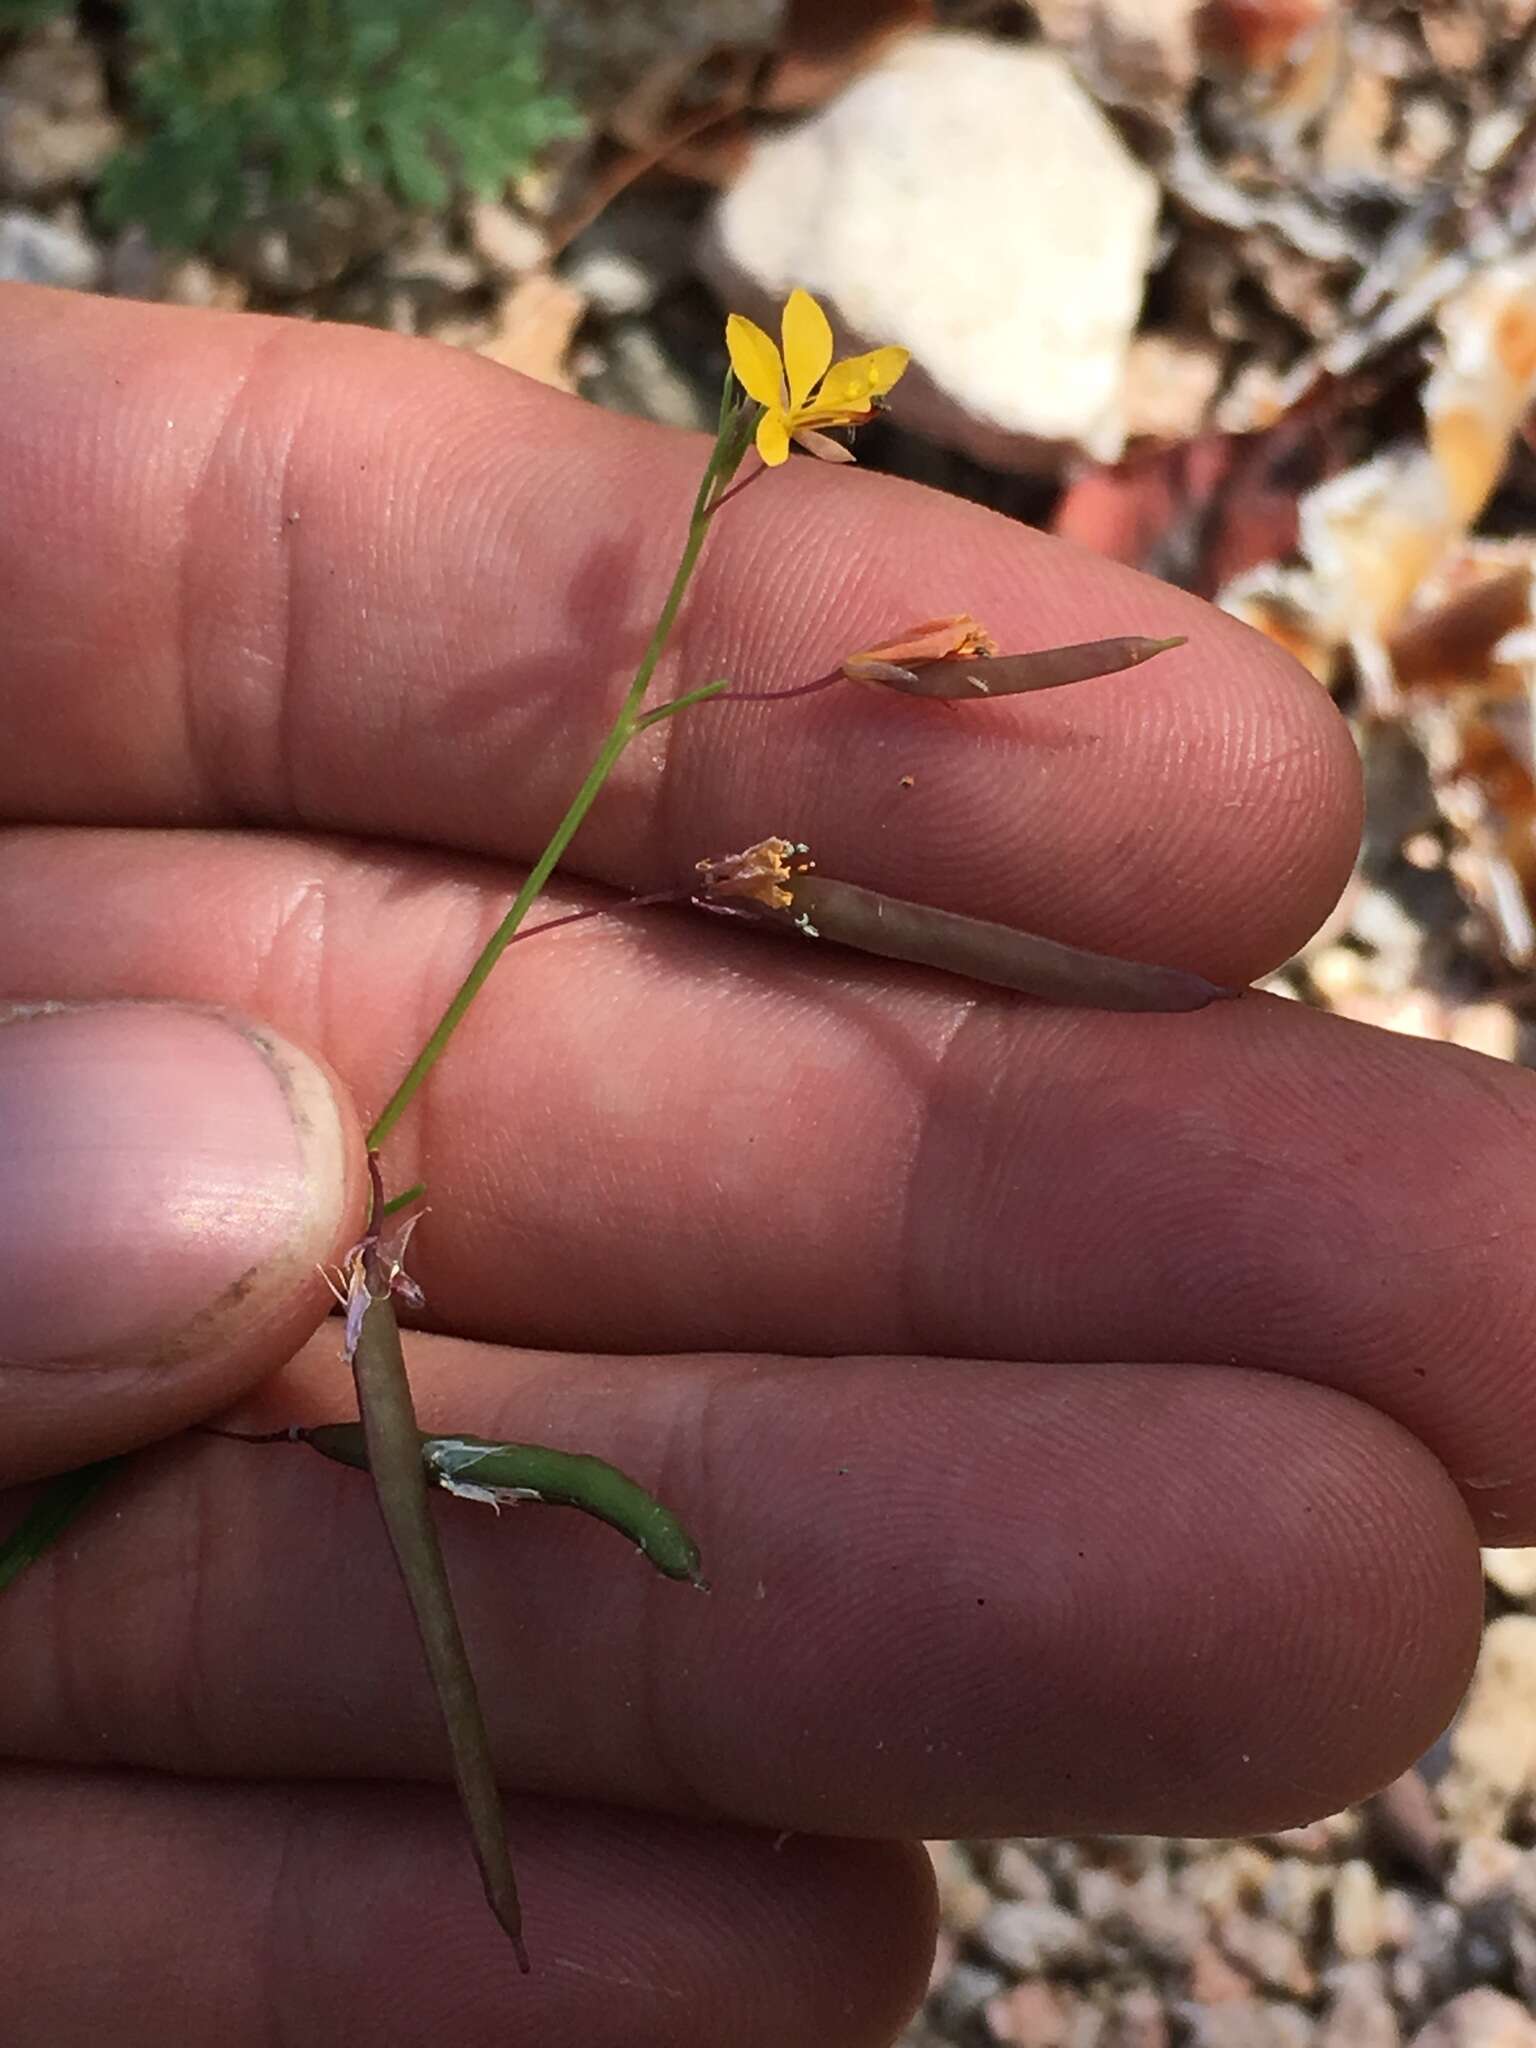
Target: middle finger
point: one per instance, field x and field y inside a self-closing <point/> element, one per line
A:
<point x="655" y="1135"/>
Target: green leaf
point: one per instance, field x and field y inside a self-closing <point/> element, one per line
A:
<point x="242" y="102"/>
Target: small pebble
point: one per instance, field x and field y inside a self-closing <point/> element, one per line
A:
<point x="1137" y="2019"/>
<point x="1029" y="1938"/>
<point x="964" y="1992"/>
<point x="1479" y="2019"/>
<point x="1253" y="2024"/>
<point x="35" y="250"/>
<point x="1484" y="1865"/>
<point x="1357" y="1929"/>
<point x="1359" y="2012"/>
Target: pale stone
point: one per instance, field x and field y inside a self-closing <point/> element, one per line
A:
<point x="1485" y="1866"/>
<point x="1028" y="1938"/>
<point x="1493" y="1742"/>
<point x="1512" y="1571"/>
<point x="56" y="128"/>
<point x="1253" y="2024"/>
<point x="1170" y="385"/>
<point x="1492" y="1028"/>
<point x="1357" y="1928"/>
<point x="1269" y="1954"/>
<point x="1039" y="2015"/>
<point x="38" y="251"/>
<point x="1292" y="1892"/>
<point x="1479" y="2019"/>
<point x="1016" y="1874"/>
<point x="1359" y="2013"/>
<point x="506" y="241"/>
<point x="1137" y="2019"/>
<point x="965" y="199"/>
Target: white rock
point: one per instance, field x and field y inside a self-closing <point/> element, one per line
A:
<point x="56" y="128"/>
<point x="507" y="242"/>
<point x="1493" y="1741"/>
<point x="1359" y="2013"/>
<point x="1028" y="1938"/>
<point x="966" y="199"/>
<point x="1512" y="1571"/>
<point x="1357" y="1929"/>
<point x="1478" y="2019"/>
<point x="1292" y="1890"/>
<point x="1016" y="1874"/>
<point x="1485" y="1866"/>
<point x="38" y="251"/>
<point x="1245" y="2023"/>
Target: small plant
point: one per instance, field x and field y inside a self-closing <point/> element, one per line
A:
<point x="246" y="103"/>
<point x="771" y="398"/>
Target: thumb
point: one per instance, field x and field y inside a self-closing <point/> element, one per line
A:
<point x="171" y="1178"/>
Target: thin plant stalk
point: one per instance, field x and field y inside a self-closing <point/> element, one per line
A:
<point x="390" y="1430"/>
<point x="729" y="448"/>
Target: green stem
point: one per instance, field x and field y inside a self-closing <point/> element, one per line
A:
<point x="670" y="710"/>
<point x="724" y="460"/>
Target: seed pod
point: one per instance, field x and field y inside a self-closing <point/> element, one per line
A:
<point x="774" y="883"/>
<point x="504" y="1474"/>
<point x="960" y="678"/>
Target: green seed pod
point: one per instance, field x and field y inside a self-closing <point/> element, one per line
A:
<point x="504" y="1474"/>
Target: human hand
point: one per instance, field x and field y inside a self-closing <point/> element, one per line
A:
<point x="782" y="1228"/>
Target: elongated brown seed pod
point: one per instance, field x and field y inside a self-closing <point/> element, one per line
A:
<point x="774" y="883"/>
<point x="994" y="953"/>
<point x="1009" y="675"/>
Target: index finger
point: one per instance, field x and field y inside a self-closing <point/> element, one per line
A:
<point x="260" y="572"/>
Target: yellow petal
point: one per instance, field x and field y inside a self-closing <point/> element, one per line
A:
<point x="851" y="386"/>
<point x="807" y="346"/>
<point x="755" y="360"/>
<point x="773" y="437"/>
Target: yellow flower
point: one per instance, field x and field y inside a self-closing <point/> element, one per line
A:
<point x="803" y="389"/>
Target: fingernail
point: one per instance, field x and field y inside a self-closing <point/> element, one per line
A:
<point x="157" y="1163"/>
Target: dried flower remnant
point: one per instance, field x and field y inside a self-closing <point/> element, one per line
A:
<point x="775" y="883"/>
<point x="802" y="390"/>
<point x="957" y="660"/>
<point x="374" y="1269"/>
